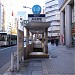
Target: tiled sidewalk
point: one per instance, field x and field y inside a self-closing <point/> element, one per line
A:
<point x="60" y="62"/>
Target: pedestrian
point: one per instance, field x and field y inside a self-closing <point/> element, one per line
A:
<point x="52" y="41"/>
<point x="56" y="42"/>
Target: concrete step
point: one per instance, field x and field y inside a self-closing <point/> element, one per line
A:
<point x="38" y="55"/>
<point x="37" y="49"/>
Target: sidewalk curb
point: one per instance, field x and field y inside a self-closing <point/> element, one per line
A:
<point x="5" y="68"/>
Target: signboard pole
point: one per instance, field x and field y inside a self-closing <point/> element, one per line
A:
<point x="20" y="43"/>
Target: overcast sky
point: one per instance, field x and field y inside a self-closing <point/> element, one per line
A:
<point x="18" y="4"/>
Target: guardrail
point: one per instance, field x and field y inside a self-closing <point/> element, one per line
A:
<point x="14" y="55"/>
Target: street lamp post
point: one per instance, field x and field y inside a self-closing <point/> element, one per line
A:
<point x="26" y="7"/>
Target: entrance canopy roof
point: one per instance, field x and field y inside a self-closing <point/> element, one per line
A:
<point x="39" y="27"/>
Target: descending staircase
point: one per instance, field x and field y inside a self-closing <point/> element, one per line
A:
<point x="38" y="51"/>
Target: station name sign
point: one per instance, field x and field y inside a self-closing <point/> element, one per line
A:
<point x="36" y="18"/>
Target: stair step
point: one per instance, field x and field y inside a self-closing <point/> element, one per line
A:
<point x="38" y="55"/>
<point x="37" y="50"/>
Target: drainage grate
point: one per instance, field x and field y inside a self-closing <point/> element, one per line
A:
<point x="53" y="56"/>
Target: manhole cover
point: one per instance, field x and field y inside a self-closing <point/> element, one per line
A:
<point x="53" y="56"/>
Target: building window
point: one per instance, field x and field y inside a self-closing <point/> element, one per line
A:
<point x="49" y="1"/>
<point x="50" y="16"/>
<point x="52" y="6"/>
<point x="52" y="11"/>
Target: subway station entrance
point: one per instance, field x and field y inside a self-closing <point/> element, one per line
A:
<point x="38" y="48"/>
<point x="37" y="27"/>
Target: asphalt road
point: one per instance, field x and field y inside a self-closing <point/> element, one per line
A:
<point x="5" y="55"/>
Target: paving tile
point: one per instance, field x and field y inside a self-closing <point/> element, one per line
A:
<point x="37" y="64"/>
<point x="18" y="74"/>
<point x="58" y="74"/>
<point x="45" y="71"/>
<point x="37" y="73"/>
<point x="55" y="74"/>
<point x="45" y="74"/>
<point x="44" y="67"/>
<point x="38" y="68"/>
<point x="27" y="73"/>
<point x="9" y="73"/>
<point x="71" y="74"/>
<point x="29" y="68"/>
<point x="31" y="64"/>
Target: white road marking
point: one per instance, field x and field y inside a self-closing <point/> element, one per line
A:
<point x="5" y="48"/>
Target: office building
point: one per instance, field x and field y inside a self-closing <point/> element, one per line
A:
<point x="21" y="15"/>
<point x="8" y="22"/>
<point x="53" y="16"/>
<point x="2" y="16"/>
<point x="67" y="22"/>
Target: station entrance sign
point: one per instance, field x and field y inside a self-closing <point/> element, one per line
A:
<point x="36" y="9"/>
<point x="36" y="18"/>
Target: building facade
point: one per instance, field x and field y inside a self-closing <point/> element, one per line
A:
<point x="53" y="16"/>
<point x="8" y="22"/>
<point x="21" y="15"/>
<point x="1" y="16"/>
<point x="67" y="22"/>
<point x="10" y="19"/>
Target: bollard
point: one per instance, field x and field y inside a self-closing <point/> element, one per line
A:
<point x="12" y="62"/>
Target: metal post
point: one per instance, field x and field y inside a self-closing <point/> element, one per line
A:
<point x="17" y="50"/>
<point x="12" y="62"/>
